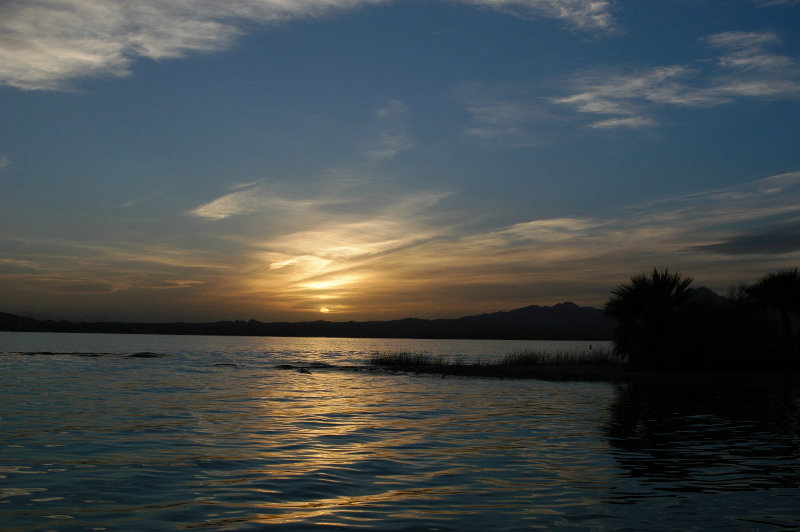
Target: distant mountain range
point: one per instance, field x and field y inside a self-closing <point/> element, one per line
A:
<point x="564" y="321"/>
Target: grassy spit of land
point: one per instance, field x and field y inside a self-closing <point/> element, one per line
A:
<point x="590" y="365"/>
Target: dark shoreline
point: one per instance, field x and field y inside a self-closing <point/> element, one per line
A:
<point x="564" y="321"/>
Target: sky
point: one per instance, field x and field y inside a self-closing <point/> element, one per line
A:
<point x="291" y="160"/>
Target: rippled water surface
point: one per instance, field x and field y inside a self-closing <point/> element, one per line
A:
<point x="213" y="436"/>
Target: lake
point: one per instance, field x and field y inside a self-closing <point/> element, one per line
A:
<point x="212" y="435"/>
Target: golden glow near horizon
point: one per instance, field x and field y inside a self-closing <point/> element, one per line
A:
<point x="403" y="263"/>
<point x="399" y="261"/>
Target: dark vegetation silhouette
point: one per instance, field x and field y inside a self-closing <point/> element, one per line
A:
<point x="663" y="322"/>
<point x="781" y="291"/>
<point x="647" y="311"/>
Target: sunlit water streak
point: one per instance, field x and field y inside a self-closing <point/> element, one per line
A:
<point x="213" y="436"/>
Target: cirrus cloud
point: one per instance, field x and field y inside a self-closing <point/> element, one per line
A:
<point x="744" y="67"/>
<point x="385" y="260"/>
<point x="357" y="261"/>
<point x="46" y="44"/>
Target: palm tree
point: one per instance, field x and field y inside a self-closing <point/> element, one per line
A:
<point x="646" y="310"/>
<point x="780" y="290"/>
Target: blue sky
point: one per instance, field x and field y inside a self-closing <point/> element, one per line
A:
<point x="354" y="159"/>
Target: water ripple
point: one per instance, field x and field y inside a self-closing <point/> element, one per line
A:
<point x="177" y="442"/>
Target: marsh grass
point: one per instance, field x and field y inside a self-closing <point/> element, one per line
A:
<point x="515" y="360"/>
<point x="408" y="359"/>
<point x="561" y="358"/>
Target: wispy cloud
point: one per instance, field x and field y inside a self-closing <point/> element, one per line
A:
<point x="698" y="233"/>
<point x="582" y="14"/>
<point x="632" y="122"/>
<point x="377" y="262"/>
<point x="744" y="68"/>
<point x="748" y="50"/>
<point x="250" y="199"/>
<point x="502" y="115"/>
<point x="366" y="252"/>
<point x="747" y="67"/>
<point x="48" y="43"/>
<point x="319" y="254"/>
<point x="393" y="136"/>
<point x="336" y="190"/>
<point x="61" y="267"/>
<point x="621" y="93"/>
<point x="503" y="120"/>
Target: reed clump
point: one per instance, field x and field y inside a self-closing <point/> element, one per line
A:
<point x="561" y="358"/>
<point x="409" y="359"/>
<point x="592" y="364"/>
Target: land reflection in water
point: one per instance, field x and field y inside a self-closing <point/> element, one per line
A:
<point x="708" y="434"/>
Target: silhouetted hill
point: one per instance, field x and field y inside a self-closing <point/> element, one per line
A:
<point x="701" y="294"/>
<point x="564" y="321"/>
<point x="12" y="322"/>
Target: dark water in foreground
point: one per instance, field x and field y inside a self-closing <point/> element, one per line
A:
<point x="212" y="436"/>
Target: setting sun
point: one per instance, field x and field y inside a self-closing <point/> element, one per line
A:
<point x="324" y="309"/>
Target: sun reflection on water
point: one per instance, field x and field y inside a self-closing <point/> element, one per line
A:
<point x="348" y="442"/>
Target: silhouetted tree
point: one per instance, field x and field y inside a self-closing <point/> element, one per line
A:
<point x="780" y="290"/>
<point x="646" y="310"/>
